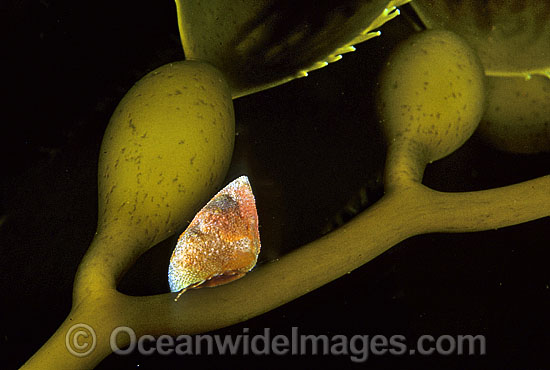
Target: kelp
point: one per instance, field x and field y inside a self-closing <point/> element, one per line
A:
<point x="511" y="37"/>
<point x="261" y="44"/>
<point x="234" y="49"/>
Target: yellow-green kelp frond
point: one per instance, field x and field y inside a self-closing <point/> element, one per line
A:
<point x="368" y="33"/>
<point x="511" y="37"/>
<point x="259" y="44"/>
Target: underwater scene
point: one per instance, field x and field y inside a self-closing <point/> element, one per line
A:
<point x="259" y="184"/>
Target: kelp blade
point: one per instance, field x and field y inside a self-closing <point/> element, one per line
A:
<point x="260" y="44"/>
<point x="511" y="37"/>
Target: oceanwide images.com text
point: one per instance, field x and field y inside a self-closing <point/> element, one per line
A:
<point x="81" y="341"/>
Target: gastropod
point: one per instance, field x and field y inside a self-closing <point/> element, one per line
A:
<point x="222" y="242"/>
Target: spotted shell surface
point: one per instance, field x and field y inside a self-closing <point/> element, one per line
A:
<point x="221" y="243"/>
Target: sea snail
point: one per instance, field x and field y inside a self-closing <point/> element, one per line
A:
<point x="222" y="242"/>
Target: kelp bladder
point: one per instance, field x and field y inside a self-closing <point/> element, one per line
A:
<point x="512" y="39"/>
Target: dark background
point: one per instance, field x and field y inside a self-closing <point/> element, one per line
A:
<point x="308" y="147"/>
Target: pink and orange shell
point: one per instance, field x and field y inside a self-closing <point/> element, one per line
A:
<point x="222" y="242"/>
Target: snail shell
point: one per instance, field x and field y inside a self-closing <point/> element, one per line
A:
<point x="222" y="242"/>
